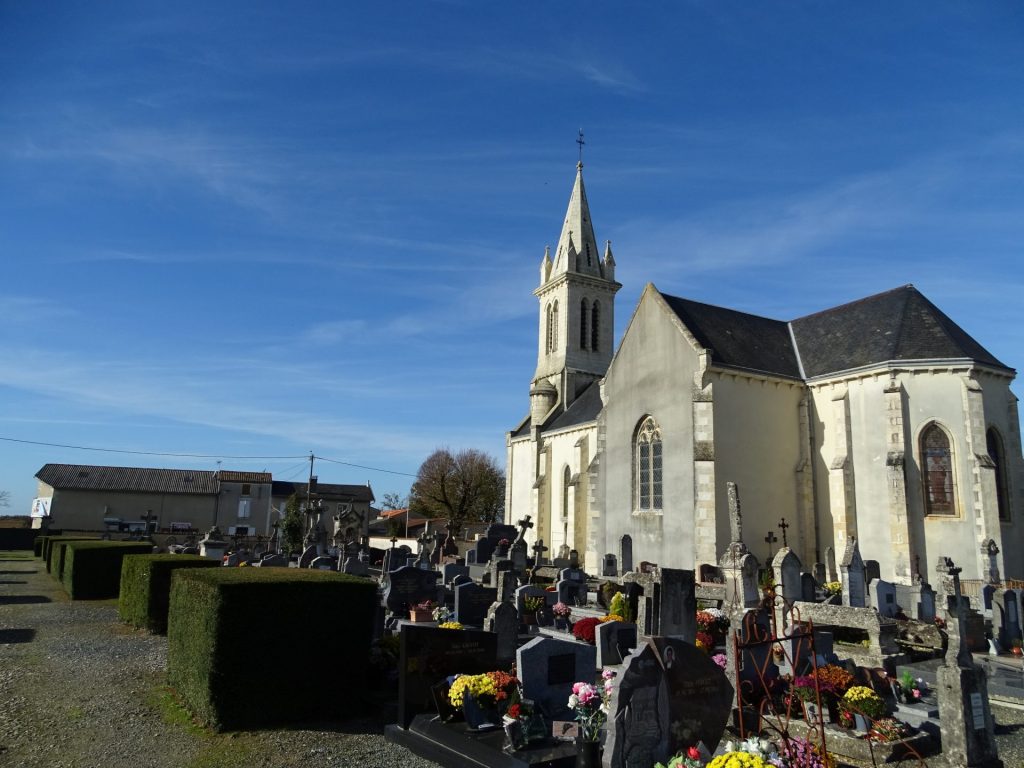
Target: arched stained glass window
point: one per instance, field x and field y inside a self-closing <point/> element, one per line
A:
<point x="937" y="464"/>
<point x="647" y="452"/>
<point x="595" y="324"/>
<point x="994" y="444"/>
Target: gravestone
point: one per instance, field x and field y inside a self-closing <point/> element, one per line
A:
<point x="503" y="621"/>
<point x="610" y="565"/>
<point x="986" y="598"/>
<point x="808" y="588"/>
<point x="409" y="586"/>
<point x="668" y="606"/>
<point x="471" y="557"/>
<point x="830" y="564"/>
<point x="614" y="640"/>
<point x="854" y="588"/>
<point x="508" y="582"/>
<point x="819" y="573"/>
<point x="786" y="569"/>
<point x="472" y="603"/>
<point x="547" y="669"/>
<point x="324" y="563"/>
<point x="1005" y="617"/>
<point x="626" y="553"/>
<point x="355" y="567"/>
<point x="428" y="655"/>
<point x="486" y="546"/>
<point x="273" y="561"/>
<point x="450" y="570"/>
<point x="460" y="579"/>
<point x="530" y="590"/>
<point x="669" y="696"/>
<point x="872" y="571"/>
<point x="883" y="598"/>
<point x="571" y="592"/>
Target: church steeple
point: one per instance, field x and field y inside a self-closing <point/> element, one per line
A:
<point x="577" y="303"/>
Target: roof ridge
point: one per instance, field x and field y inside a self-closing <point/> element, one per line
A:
<point x="856" y="301"/>
<point x="719" y="306"/>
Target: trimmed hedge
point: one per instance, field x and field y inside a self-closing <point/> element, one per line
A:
<point x="92" y="569"/>
<point x="54" y="553"/>
<point x="146" y="587"/>
<point x="37" y="545"/>
<point x="229" y="627"/>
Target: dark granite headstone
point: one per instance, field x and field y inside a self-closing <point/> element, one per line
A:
<point x="548" y="668"/>
<point x="807" y="588"/>
<point x="669" y="696"/>
<point x="428" y="655"/>
<point x="472" y="603"/>
<point x="409" y="586"/>
<point x="503" y="620"/>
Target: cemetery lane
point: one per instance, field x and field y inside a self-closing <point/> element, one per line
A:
<point x="79" y="689"/>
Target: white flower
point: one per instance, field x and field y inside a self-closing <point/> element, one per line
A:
<point x="574" y="701"/>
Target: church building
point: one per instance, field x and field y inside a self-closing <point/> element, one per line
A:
<point x="880" y="420"/>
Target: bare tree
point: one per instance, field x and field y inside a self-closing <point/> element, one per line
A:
<point x="5" y="498"/>
<point x="393" y="501"/>
<point x="464" y="487"/>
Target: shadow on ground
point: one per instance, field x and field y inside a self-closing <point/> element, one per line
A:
<point x="12" y="636"/>
<point x="23" y="599"/>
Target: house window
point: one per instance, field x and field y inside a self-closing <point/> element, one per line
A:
<point x="647" y="452"/>
<point x="584" y="312"/>
<point x="937" y="460"/>
<point x="995" y="452"/>
<point x="566" y="481"/>
<point x="595" y="317"/>
<point x="246" y="489"/>
<point x="244" y="508"/>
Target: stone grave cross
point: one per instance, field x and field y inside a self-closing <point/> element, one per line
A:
<point x="524" y="526"/>
<point x="963" y="654"/>
<point x="538" y="552"/>
<point x="770" y="539"/>
<point x="735" y="516"/>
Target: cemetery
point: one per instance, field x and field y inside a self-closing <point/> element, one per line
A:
<point x="503" y="656"/>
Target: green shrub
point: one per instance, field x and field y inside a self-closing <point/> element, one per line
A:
<point x="146" y="587"/>
<point x="92" y="569"/>
<point x="228" y="628"/>
<point x="55" y="553"/>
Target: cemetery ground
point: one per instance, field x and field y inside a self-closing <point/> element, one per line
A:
<point x="80" y="689"/>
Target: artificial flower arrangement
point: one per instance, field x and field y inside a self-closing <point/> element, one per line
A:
<point x="442" y="613"/>
<point x="860" y="700"/>
<point x="591" y="703"/>
<point x="713" y="621"/>
<point x="561" y="610"/>
<point x="797" y="751"/>
<point x="450" y="625"/>
<point x="889" y="729"/>
<point x="911" y="688"/>
<point x="533" y="603"/>
<point x="689" y="759"/>
<point x="619" y="606"/>
<point x="804" y="687"/>
<point x="832" y="588"/>
<point x="833" y="680"/>
<point x="720" y="660"/>
<point x="584" y="629"/>
<point x="705" y="641"/>
<point x="611" y="617"/>
<point x="489" y="688"/>
<point x="752" y="753"/>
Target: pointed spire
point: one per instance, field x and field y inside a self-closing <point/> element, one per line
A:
<point x="609" y="261"/>
<point x="545" y="265"/>
<point x="578" y="234"/>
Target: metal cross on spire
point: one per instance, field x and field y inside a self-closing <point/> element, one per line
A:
<point x="581" y="142"/>
<point x="783" y="525"/>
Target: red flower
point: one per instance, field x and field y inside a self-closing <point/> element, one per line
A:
<point x="693" y="753"/>
<point x="584" y="629"/>
<point x="513" y="711"/>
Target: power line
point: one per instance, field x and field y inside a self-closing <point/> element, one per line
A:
<point x="144" y="453"/>
<point x="361" y="466"/>
<point x="201" y="455"/>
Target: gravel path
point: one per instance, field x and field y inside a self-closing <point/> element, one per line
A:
<point x="79" y="689"/>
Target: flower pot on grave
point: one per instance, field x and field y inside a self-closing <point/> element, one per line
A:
<point x="833" y="710"/>
<point x="420" y="614"/>
<point x="530" y="618"/>
<point x="515" y="738"/>
<point x="861" y="722"/>
<point x="561" y="623"/>
<point x="480" y="715"/>
<point x="1017" y="650"/>
<point x="588" y="754"/>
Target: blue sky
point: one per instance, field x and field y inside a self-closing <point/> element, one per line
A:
<point x="247" y="229"/>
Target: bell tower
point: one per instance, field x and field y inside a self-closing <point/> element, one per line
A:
<point x="576" y="299"/>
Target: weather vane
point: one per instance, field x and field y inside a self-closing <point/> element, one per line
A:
<point x="581" y="142"/>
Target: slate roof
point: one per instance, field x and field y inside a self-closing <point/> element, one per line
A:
<point x="737" y="339"/>
<point x="584" y="408"/>
<point x="900" y="324"/>
<point x="348" y="492"/>
<point x="127" y="479"/>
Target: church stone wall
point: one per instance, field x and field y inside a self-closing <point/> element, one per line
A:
<point x="757" y="446"/>
<point x="652" y="375"/>
<point x="519" y="476"/>
<point x="929" y="394"/>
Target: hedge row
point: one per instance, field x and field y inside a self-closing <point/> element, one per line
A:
<point x="37" y="545"/>
<point x="54" y="553"/>
<point x="227" y="625"/>
<point x="146" y="587"/>
<point x="92" y="569"/>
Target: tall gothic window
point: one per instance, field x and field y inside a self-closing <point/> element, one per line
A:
<point x="566" y="481"/>
<point x="549" y="327"/>
<point x="937" y="460"/>
<point x="584" y="316"/>
<point x="995" y="452"/>
<point x="595" y="317"/>
<point x="647" y="453"/>
<point x="554" y="326"/>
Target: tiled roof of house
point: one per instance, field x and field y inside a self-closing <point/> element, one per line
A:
<point x="128" y="479"/>
<point x="229" y="476"/>
<point x="333" y="490"/>
<point x="900" y="324"/>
